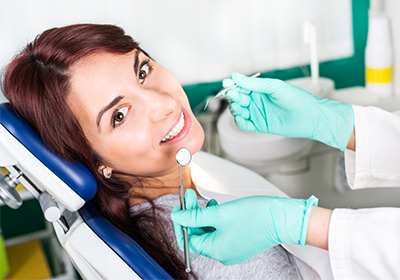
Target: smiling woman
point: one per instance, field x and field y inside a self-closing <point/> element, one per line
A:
<point x="145" y="107"/>
<point x="96" y="97"/>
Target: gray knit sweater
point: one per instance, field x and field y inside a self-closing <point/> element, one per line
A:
<point x="276" y="263"/>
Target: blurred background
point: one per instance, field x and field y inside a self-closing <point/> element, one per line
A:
<point x="204" y="41"/>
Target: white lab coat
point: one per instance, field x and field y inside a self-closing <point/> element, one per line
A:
<point x="365" y="243"/>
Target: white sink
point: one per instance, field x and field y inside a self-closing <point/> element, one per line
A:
<point x="250" y="147"/>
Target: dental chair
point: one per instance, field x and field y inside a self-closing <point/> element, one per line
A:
<point x="64" y="189"/>
<point x="96" y="248"/>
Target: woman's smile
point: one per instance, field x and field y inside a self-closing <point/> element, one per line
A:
<point x="180" y="130"/>
<point x="175" y="131"/>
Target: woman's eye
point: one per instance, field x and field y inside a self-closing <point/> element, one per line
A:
<point x="144" y="71"/>
<point x="120" y="115"/>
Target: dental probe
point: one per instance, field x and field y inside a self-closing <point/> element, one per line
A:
<point x="184" y="157"/>
<point x="223" y="91"/>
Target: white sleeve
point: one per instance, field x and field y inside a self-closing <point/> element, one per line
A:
<point x="376" y="161"/>
<point x="364" y="244"/>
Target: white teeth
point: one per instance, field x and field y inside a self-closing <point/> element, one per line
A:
<point x="175" y="131"/>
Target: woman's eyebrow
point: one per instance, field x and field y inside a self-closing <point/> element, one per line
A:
<point x="136" y="64"/>
<point x="108" y="107"/>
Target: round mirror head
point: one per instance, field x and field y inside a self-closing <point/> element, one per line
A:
<point x="183" y="156"/>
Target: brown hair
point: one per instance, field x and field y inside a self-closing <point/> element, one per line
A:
<point x="36" y="83"/>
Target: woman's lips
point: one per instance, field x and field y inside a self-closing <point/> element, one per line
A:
<point x="176" y="130"/>
<point x="185" y="130"/>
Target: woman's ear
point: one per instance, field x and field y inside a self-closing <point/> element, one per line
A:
<point x="105" y="171"/>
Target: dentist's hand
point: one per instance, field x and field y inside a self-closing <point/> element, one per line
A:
<point x="276" y="107"/>
<point x="191" y="203"/>
<point x="245" y="227"/>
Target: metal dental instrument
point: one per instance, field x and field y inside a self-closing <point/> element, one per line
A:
<point x="223" y="91"/>
<point x="184" y="157"/>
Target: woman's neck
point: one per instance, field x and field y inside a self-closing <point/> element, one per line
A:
<point x="163" y="185"/>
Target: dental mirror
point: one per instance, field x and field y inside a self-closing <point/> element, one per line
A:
<point x="183" y="156"/>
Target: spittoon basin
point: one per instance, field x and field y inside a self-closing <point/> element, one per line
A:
<point x="246" y="147"/>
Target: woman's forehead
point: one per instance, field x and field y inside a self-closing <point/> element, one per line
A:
<point x="101" y="58"/>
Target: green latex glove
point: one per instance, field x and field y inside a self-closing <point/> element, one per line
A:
<point x="191" y="203"/>
<point x="244" y="227"/>
<point x="276" y="107"/>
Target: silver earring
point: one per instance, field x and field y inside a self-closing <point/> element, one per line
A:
<point x="105" y="174"/>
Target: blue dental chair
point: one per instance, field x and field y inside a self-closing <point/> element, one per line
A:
<point x="97" y="249"/>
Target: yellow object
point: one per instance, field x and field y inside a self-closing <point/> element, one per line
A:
<point x="4" y="267"/>
<point x="19" y="188"/>
<point x="378" y="76"/>
<point x="28" y="261"/>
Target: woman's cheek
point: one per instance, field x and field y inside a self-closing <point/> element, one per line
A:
<point x="197" y="139"/>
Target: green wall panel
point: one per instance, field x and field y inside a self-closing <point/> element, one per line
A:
<point x="26" y="219"/>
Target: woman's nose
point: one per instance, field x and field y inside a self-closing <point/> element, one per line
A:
<point x="161" y="104"/>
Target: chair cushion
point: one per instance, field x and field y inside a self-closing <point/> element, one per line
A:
<point x="74" y="174"/>
<point x="126" y="248"/>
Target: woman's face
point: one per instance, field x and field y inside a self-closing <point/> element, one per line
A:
<point x="127" y="106"/>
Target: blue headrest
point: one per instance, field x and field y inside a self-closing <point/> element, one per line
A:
<point x="127" y="249"/>
<point x="74" y="174"/>
<point x="79" y="178"/>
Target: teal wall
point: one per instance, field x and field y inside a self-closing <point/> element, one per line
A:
<point x="345" y="72"/>
<point x="26" y="219"/>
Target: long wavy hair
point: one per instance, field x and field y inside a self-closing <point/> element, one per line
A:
<point x="37" y="82"/>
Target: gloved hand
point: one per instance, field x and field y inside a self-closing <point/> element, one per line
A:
<point x="191" y="203"/>
<point x="275" y="107"/>
<point x="244" y="227"/>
